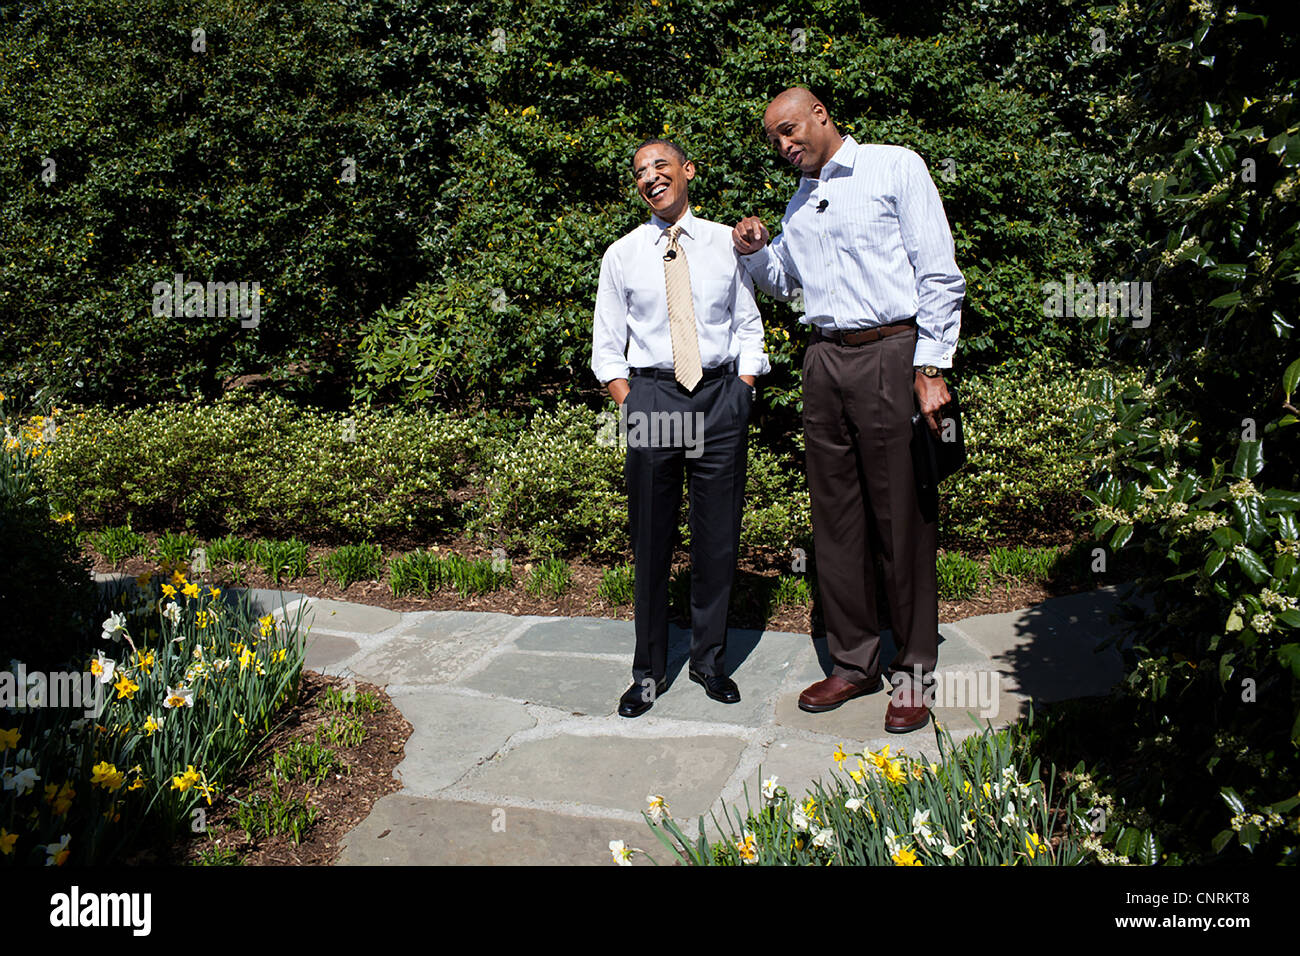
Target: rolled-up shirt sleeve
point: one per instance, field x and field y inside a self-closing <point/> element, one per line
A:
<point x="609" y="322"/>
<point x="772" y="271"/>
<point x="940" y="287"/>
<point x="747" y="327"/>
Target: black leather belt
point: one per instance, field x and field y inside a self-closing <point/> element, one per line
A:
<point x="726" y="368"/>
<point x="862" y="336"/>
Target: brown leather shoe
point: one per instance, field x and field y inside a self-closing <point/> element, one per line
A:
<point x="906" y="712"/>
<point x="830" y="693"/>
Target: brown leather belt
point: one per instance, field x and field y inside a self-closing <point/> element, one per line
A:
<point x="863" y="336"/>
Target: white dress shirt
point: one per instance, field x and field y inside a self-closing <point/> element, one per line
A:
<point x="630" y="326"/>
<point x="879" y="252"/>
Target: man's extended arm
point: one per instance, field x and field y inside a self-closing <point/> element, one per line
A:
<point x="767" y="263"/>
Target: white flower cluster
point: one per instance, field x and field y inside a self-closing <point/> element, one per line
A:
<point x="1173" y="256"/>
<point x="1243" y="489"/>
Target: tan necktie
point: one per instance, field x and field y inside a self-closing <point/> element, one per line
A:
<point x="681" y="314"/>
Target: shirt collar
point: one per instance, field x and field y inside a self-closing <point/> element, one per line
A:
<point x="687" y="222"/>
<point x="844" y="156"/>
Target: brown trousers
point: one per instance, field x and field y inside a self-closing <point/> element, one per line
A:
<point x="857" y="412"/>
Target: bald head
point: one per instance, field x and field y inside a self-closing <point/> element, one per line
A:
<point x="795" y="98"/>
<point x="797" y="124"/>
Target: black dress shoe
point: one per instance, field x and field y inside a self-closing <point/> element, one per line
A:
<point x="722" y="689"/>
<point x="637" y="699"/>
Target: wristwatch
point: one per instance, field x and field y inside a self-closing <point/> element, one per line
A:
<point x="929" y="371"/>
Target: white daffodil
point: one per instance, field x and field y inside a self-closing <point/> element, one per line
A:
<point x="921" y="825"/>
<point x="172" y="612"/>
<point x="799" y="819"/>
<point x="892" y="843"/>
<point x="181" y="696"/>
<point x="967" y="826"/>
<point x="622" y="853"/>
<point x="113" y="627"/>
<point x="103" y="668"/>
<point x="825" y="838"/>
<point x="658" y="807"/>
<point x="53" y="851"/>
<point x="769" y="790"/>
<point x="949" y="850"/>
<point x="1010" y="818"/>
<point x="852" y="803"/>
<point x="22" y="781"/>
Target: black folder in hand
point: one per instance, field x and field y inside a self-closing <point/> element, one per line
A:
<point x="935" y="457"/>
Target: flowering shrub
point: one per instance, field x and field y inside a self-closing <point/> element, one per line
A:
<point x="264" y="464"/>
<point x="979" y="805"/>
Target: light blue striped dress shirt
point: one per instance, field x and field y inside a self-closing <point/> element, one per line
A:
<point x="881" y="250"/>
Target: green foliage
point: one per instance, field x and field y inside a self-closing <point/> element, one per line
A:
<point x="224" y="163"/>
<point x="1027" y="565"/>
<point x="227" y="550"/>
<point x="262" y="464"/>
<point x="1182" y="477"/>
<point x="48" y="601"/>
<point x="959" y="577"/>
<point x="351" y="701"/>
<point x="792" y="590"/>
<point x="617" y="585"/>
<point x="352" y="562"/>
<point x="551" y="578"/>
<point x="302" y="760"/>
<point x="271" y="813"/>
<point x="119" y="543"/>
<point x="556" y="487"/>
<point x="342" y="730"/>
<point x="175" y="547"/>
<point x="278" y="559"/>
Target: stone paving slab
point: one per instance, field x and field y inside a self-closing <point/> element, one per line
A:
<point x="613" y="772"/>
<point x="450" y="733"/>
<point x="587" y="635"/>
<point x="574" y="684"/>
<point x="404" y="830"/>
<point x="325" y="615"/>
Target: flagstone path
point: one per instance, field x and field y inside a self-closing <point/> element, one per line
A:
<point x="519" y="757"/>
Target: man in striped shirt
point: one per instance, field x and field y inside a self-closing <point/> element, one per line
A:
<point x="866" y="244"/>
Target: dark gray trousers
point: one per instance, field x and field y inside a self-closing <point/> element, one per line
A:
<point x="700" y="438"/>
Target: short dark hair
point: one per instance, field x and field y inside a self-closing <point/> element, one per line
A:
<point x="656" y="141"/>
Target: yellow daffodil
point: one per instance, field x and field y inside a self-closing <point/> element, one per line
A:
<point x="268" y="625"/>
<point x="904" y="856"/>
<point x="190" y="590"/>
<point x="279" y="656"/>
<point x="168" y="590"/>
<point x="144" y="579"/>
<point x="7" y="841"/>
<point x="125" y="687"/>
<point x="214" y="592"/>
<point x="146" y="661"/>
<point x="1033" y="844"/>
<point x="183" y="781"/>
<point x="177" y="578"/>
<point x="893" y="771"/>
<point x="9" y="739"/>
<point x="152" y="724"/>
<point x="839" y="756"/>
<point x="918" y="771"/>
<point x="105" y="775"/>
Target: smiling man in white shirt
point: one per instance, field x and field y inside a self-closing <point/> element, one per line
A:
<point x="678" y="340"/>
<point x="866" y="239"/>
